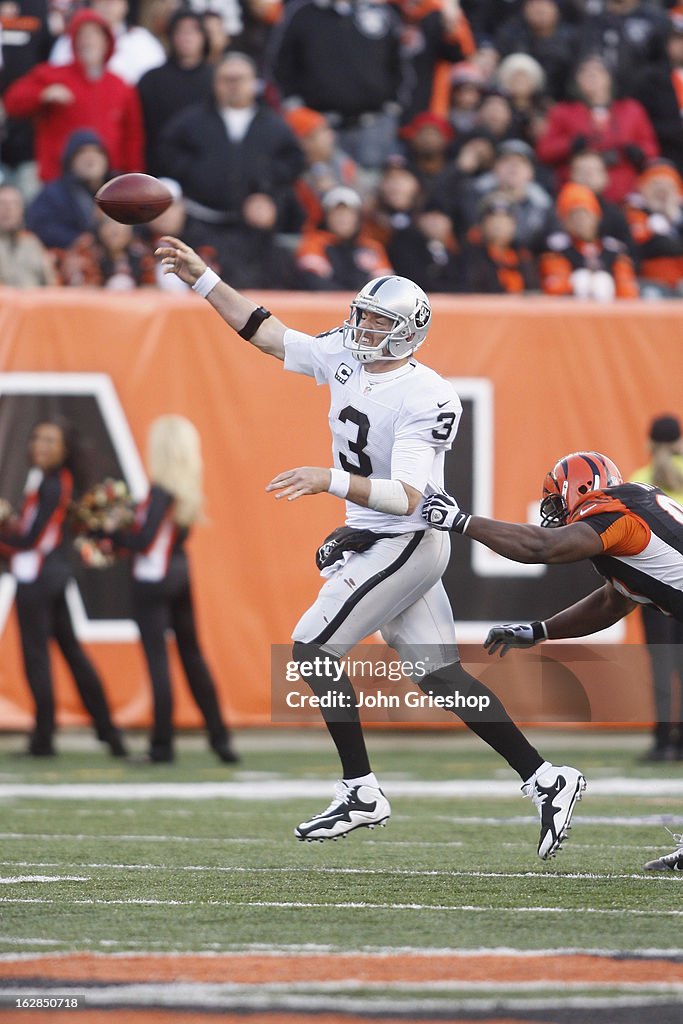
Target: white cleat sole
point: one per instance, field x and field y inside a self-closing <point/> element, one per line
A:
<point x="341" y="835"/>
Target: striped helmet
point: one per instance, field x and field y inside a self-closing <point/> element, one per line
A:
<point x="404" y="303"/>
<point x="570" y="480"/>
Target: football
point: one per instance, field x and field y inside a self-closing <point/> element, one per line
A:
<point x="133" y="198"/>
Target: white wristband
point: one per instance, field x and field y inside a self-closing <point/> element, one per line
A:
<point x="340" y="481"/>
<point x="206" y="283"/>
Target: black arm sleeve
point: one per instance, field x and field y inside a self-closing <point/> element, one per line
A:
<point x="139" y="540"/>
<point x="49" y="496"/>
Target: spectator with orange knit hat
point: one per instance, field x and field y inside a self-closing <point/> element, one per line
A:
<point x="578" y="261"/>
<point x="655" y="214"/>
<point x="326" y="164"/>
<point x="341" y="256"/>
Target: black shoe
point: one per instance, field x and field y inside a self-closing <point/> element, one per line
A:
<point x="117" y="747"/>
<point x="156" y="758"/>
<point x="36" y="751"/>
<point x="225" y="753"/>
<point x="40" y="745"/>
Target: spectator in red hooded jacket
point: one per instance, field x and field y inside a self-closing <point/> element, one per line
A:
<point x="619" y="129"/>
<point x="82" y="94"/>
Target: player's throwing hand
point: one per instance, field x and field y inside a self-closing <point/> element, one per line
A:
<point x="178" y="258"/>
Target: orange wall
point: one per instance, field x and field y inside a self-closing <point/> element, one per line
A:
<point x="565" y="375"/>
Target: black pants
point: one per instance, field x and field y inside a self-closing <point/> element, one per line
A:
<point x="664" y="638"/>
<point x="158" y="607"/>
<point x="43" y="614"/>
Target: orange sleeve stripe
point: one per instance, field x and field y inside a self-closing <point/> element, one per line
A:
<point x="628" y="535"/>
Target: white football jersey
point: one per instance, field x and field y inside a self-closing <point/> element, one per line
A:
<point x="380" y="420"/>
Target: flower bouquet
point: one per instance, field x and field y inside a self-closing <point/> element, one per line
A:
<point x="106" y="507"/>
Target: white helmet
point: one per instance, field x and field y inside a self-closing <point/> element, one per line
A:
<point x="401" y="300"/>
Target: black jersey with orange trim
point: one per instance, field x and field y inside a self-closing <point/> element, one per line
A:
<point x="641" y="529"/>
<point x="39" y="536"/>
<point x="155" y="536"/>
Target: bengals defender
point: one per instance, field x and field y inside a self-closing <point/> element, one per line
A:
<point x="392" y="421"/>
<point x="632" y="533"/>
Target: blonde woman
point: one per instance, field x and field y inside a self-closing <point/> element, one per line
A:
<point x="161" y="591"/>
<point x="664" y="635"/>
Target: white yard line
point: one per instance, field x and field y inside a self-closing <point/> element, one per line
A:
<point x="133" y="838"/>
<point x="307" y="950"/>
<point x="20" y="879"/>
<point x="299" y="905"/>
<point x="313" y="789"/>
<point x="315" y="869"/>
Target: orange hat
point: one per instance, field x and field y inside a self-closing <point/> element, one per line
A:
<point x="303" y="121"/>
<point x="573" y="195"/>
<point x="661" y="169"/>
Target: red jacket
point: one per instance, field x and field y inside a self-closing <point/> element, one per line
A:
<point x="107" y="105"/>
<point x="627" y="124"/>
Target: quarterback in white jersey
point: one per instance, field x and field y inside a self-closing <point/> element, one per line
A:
<point x="397" y="424"/>
<point x="392" y="421"/>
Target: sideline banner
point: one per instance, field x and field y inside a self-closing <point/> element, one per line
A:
<point x="538" y="378"/>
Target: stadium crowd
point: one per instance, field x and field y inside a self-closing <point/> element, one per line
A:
<point x="491" y="146"/>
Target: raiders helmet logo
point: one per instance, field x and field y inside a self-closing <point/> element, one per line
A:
<point x="422" y="315"/>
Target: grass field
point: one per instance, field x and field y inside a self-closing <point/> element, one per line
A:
<point x="181" y="887"/>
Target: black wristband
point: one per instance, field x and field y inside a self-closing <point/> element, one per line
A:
<point x="538" y="630"/>
<point x="461" y="522"/>
<point x="254" y="322"/>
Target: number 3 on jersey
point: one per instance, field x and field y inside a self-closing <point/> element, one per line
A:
<point x="443" y="432"/>
<point x="364" y="466"/>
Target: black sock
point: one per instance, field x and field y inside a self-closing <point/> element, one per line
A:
<point x="493" y="725"/>
<point x="343" y="724"/>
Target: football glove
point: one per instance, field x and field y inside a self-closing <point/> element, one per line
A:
<point x="443" y="513"/>
<point x="520" y="634"/>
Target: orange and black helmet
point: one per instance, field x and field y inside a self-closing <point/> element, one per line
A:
<point x="570" y="480"/>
